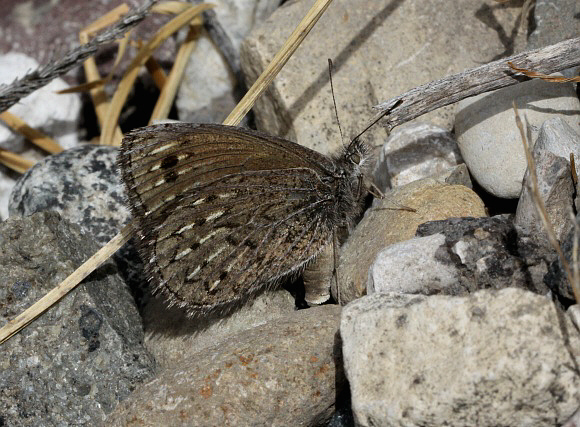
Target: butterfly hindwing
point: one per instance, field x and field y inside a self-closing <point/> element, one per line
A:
<point x="223" y="212"/>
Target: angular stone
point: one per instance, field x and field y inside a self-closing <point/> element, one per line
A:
<point x="415" y="151"/>
<point x="75" y="362"/>
<point x="505" y="357"/>
<point x="389" y="222"/>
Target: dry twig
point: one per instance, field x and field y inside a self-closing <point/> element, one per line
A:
<point x="485" y="78"/>
<point x="11" y="94"/>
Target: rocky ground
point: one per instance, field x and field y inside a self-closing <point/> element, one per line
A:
<point x="454" y="312"/>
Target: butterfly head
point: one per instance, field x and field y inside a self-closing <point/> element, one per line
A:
<point x="356" y="159"/>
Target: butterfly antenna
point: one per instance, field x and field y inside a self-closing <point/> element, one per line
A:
<point x="333" y="99"/>
<point x="378" y="117"/>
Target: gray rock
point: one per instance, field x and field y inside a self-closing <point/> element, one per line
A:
<point x="485" y="253"/>
<point x="412" y="267"/>
<point x="559" y="138"/>
<point x="283" y="373"/>
<point x="505" y="357"/>
<point x="425" y="40"/>
<point x="79" y="359"/>
<point x="171" y="336"/>
<point x="389" y="222"/>
<point x="555" y="20"/>
<point x="556" y="278"/>
<point x="489" y="139"/>
<point x="84" y="186"/>
<point x="574" y="313"/>
<point x="415" y="151"/>
<point x="556" y="189"/>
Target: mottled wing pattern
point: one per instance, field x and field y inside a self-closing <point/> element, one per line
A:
<point x="223" y="212"/>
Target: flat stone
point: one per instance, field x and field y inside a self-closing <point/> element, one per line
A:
<point x="383" y="48"/>
<point x="283" y="373"/>
<point x="171" y="336"/>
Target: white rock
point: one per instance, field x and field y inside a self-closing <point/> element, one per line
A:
<point x="415" y="151"/>
<point x="395" y="268"/>
<point x="505" y="357"/>
<point x="55" y="115"/>
<point x="206" y="93"/>
<point x="489" y="139"/>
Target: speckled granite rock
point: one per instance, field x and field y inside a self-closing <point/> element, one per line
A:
<point x="83" y="185"/>
<point x="282" y="373"/>
<point x="505" y="357"/>
<point x="78" y="360"/>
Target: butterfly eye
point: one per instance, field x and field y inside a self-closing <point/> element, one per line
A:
<point x="355" y="158"/>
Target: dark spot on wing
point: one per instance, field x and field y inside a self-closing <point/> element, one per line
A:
<point x="169" y="162"/>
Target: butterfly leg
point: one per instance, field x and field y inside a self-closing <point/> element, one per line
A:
<point x="335" y="248"/>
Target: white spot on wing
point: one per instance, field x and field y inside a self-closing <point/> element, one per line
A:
<point x="182" y="253"/>
<point x="185" y="228"/>
<point x="214" y="285"/>
<point x="194" y="273"/>
<point x="216" y="253"/>
<point x="162" y="148"/>
<point x="214" y="215"/>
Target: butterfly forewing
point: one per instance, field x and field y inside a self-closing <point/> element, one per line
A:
<point x="223" y="212"/>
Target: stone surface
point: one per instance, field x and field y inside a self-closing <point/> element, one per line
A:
<point x="424" y="41"/>
<point x="557" y="278"/>
<point x="207" y="93"/>
<point x="556" y="189"/>
<point x="488" y="136"/>
<point x="83" y="185"/>
<point x="415" y="151"/>
<point x="79" y="359"/>
<point x="555" y="21"/>
<point x="411" y="267"/>
<point x="485" y="253"/>
<point x="283" y="373"/>
<point x="171" y="336"/>
<point x="55" y="115"/>
<point x="574" y="313"/>
<point x="505" y="357"/>
<point x="388" y="222"/>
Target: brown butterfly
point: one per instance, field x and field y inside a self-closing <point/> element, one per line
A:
<point x="223" y="212"/>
